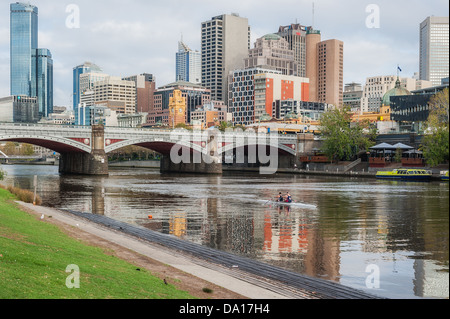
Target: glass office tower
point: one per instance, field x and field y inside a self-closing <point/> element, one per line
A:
<point x="87" y="67"/>
<point x="23" y="43"/>
<point x="43" y="89"/>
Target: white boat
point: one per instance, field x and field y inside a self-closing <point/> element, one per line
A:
<point x="293" y="204"/>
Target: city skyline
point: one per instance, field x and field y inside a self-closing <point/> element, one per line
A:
<point x="150" y="31"/>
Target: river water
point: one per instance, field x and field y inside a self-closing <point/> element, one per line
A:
<point x="387" y="238"/>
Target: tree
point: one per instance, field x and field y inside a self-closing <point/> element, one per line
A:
<point x="435" y="143"/>
<point x="343" y="140"/>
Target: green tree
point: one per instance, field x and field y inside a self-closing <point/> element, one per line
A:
<point x="435" y="143"/>
<point x="343" y="140"/>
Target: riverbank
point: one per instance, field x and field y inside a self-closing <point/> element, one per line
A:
<point x="37" y="244"/>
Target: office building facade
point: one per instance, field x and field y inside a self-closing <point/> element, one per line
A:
<point x="434" y="49"/>
<point x="325" y="68"/>
<point x="272" y="52"/>
<point x="295" y="35"/>
<point x="19" y="109"/>
<point x="31" y="68"/>
<point x="145" y="88"/>
<point x="188" y="64"/>
<point x="23" y="44"/>
<point x="225" y="45"/>
<point x="86" y="67"/>
<point x="43" y="87"/>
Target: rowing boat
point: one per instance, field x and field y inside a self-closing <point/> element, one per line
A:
<point x="293" y="204"/>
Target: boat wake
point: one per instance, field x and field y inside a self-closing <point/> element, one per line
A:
<point x="293" y="204"/>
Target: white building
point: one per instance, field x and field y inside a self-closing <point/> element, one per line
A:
<point x="377" y="86"/>
<point x="188" y="64"/>
<point x="434" y="48"/>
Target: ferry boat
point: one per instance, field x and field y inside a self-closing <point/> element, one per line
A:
<point x="444" y="175"/>
<point x="405" y="174"/>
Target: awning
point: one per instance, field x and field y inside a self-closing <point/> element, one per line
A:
<point x="403" y="146"/>
<point x="382" y="146"/>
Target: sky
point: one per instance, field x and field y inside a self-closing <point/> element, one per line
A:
<point x="129" y="37"/>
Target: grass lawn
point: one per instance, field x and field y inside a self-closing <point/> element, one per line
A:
<point x="34" y="256"/>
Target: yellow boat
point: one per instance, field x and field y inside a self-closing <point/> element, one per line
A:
<point x="444" y="175"/>
<point x="405" y="174"/>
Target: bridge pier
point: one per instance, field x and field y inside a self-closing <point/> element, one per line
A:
<point x="94" y="163"/>
<point x="167" y="166"/>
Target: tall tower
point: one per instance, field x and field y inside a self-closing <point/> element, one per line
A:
<point x="225" y="45"/>
<point x="312" y="63"/>
<point x="43" y="88"/>
<point x="177" y="109"/>
<point x="434" y="48"/>
<point x="23" y="44"/>
<point x="188" y="64"/>
<point x="295" y="35"/>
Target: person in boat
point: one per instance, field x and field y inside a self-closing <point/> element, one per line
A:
<point x="280" y="197"/>
<point x="288" y="198"/>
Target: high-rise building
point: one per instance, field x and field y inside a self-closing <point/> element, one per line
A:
<point x="43" y="88"/>
<point x="114" y="89"/>
<point x="31" y="67"/>
<point x="272" y="52"/>
<point x="253" y="91"/>
<point x="295" y="35"/>
<point x="225" y="45"/>
<point x="23" y="44"/>
<point x="325" y="68"/>
<point x="87" y="67"/>
<point x="145" y="88"/>
<point x="434" y="48"/>
<point x="188" y="64"/>
<point x="331" y="72"/>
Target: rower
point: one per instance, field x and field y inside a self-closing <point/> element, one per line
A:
<point x="280" y="197"/>
<point x="288" y="198"/>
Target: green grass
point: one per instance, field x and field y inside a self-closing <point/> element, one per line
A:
<point x="34" y="256"/>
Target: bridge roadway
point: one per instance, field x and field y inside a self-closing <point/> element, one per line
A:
<point x="83" y="149"/>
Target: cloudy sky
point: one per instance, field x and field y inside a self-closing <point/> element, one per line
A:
<point x="127" y="37"/>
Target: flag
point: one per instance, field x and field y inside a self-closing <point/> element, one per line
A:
<point x="399" y="69"/>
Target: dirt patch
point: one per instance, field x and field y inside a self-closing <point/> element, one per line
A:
<point x="180" y="279"/>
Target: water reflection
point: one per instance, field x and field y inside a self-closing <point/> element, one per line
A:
<point x="402" y="228"/>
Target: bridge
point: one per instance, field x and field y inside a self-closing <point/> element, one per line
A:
<point x="84" y="149"/>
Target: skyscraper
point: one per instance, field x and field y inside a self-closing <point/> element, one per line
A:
<point x="225" y="45"/>
<point x="188" y="64"/>
<point x="325" y="69"/>
<point x="87" y="67"/>
<point x="43" y="89"/>
<point x="295" y="35"/>
<point x="434" y="48"/>
<point x="23" y="43"/>
<point x="31" y="67"/>
<point x="272" y="51"/>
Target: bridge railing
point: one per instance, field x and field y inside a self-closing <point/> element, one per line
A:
<point x="53" y="126"/>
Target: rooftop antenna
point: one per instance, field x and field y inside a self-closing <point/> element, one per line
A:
<point x="313" y="15"/>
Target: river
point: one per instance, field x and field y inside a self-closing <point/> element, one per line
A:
<point x="387" y="238"/>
